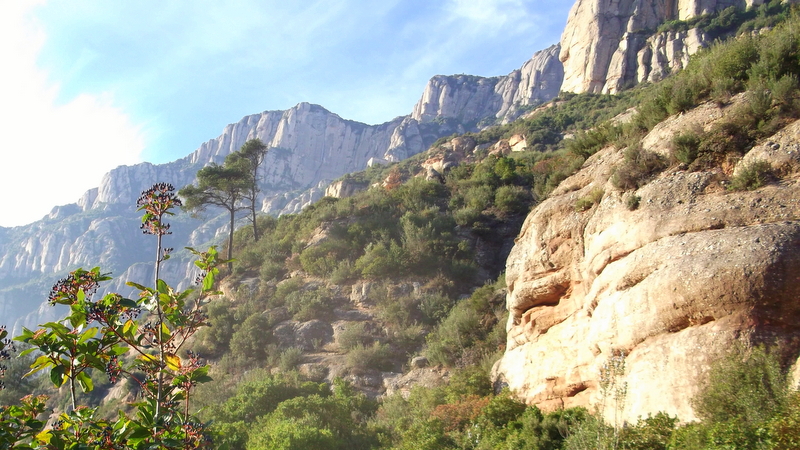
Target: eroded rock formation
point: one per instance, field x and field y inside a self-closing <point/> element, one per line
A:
<point x="471" y="99"/>
<point x="669" y="285"/>
<point x="610" y="44"/>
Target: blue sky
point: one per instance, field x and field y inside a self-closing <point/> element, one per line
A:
<point x="89" y="85"/>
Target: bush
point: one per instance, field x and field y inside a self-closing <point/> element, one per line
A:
<point x="435" y="307"/>
<point x="589" y="200"/>
<point x="250" y="339"/>
<point x="377" y="357"/>
<point x="587" y="143"/>
<point x="457" y="332"/>
<point x="652" y="433"/>
<point x="752" y="176"/>
<point x="353" y="335"/>
<point x="637" y="169"/>
<point x="290" y="358"/>
<point x="685" y="147"/>
<point x="746" y="386"/>
<point x="632" y="202"/>
<point x="309" y="304"/>
<point x="512" y="199"/>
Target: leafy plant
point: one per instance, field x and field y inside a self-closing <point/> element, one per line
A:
<point x="752" y="176"/>
<point x="104" y="336"/>
<point x="589" y="200"/>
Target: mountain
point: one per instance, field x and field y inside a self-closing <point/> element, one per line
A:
<point x="309" y="147"/>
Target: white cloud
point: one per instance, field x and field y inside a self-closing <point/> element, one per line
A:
<point x="52" y="151"/>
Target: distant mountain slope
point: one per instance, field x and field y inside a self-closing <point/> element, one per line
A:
<point x="310" y="147"/>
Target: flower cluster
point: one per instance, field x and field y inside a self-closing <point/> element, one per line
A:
<point x="156" y="202"/>
<point x="65" y="290"/>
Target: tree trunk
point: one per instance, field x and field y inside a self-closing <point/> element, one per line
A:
<point x="253" y="212"/>
<point x="230" y="241"/>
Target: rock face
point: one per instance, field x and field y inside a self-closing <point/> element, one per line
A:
<point x="609" y="44"/>
<point x="472" y="99"/>
<point x="667" y="286"/>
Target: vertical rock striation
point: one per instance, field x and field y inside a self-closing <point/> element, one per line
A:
<point x="603" y="43"/>
<point x="669" y="286"/>
<point x="484" y="101"/>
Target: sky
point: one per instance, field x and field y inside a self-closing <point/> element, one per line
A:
<point x="89" y="85"/>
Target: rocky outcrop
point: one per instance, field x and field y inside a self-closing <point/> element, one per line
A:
<point x="485" y="101"/>
<point x="610" y="44"/>
<point x="663" y="54"/>
<point x="345" y="187"/>
<point x="668" y="286"/>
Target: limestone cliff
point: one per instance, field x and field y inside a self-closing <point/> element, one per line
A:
<point x="669" y="285"/>
<point x="610" y="44"/>
<point x="472" y="99"/>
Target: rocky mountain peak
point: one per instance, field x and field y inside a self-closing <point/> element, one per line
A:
<point x="472" y="99"/>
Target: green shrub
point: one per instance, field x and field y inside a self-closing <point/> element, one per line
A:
<point x="632" y="202"/>
<point x="290" y="358"/>
<point x="457" y="332"/>
<point x="512" y="199"/>
<point x="434" y="307"/>
<point x="752" y="176"/>
<point x="747" y="386"/>
<point x="592" y="198"/>
<point x="377" y="356"/>
<point x="785" y="427"/>
<point x="637" y="169"/>
<point x="685" y="146"/>
<point x="381" y="260"/>
<point x="652" y="433"/>
<point x="353" y="335"/>
<point x="479" y="197"/>
<point x="250" y="339"/>
<point x="466" y="217"/>
<point x="309" y="304"/>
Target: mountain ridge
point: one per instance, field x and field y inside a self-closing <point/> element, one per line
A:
<point x="310" y="147"/>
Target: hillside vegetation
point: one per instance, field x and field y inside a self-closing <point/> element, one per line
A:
<point x="331" y="306"/>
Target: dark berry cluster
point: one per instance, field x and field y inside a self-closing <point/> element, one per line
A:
<point x="196" y="435"/>
<point x="113" y="369"/>
<point x="110" y="310"/>
<point x="198" y="280"/>
<point x="156" y="202"/>
<point x="105" y="440"/>
<point x="65" y="291"/>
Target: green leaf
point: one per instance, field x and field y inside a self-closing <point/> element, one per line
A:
<point x="57" y="376"/>
<point x="208" y="282"/>
<point x="119" y="350"/>
<point x="85" y="381"/>
<point x="137" y="286"/>
<point x="162" y="287"/>
<point x="57" y="327"/>
<point x="129" y="328"/>
<point x="88" y="334"/>
<point x="165" y="333"/>
<point x="127" y="303"/>
<point x="28" y="351"/>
